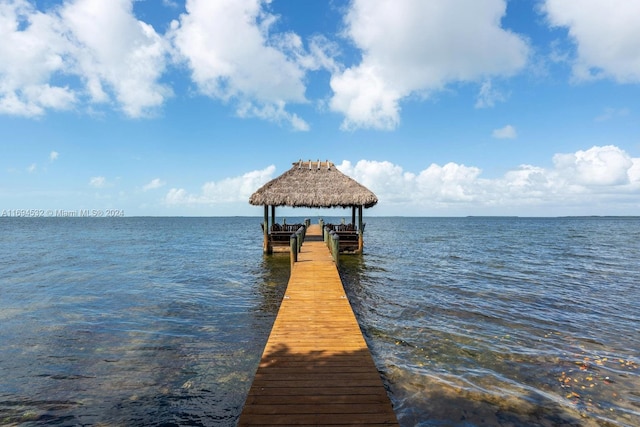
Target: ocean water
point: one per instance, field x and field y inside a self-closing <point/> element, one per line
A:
<point x="471" y="321"/>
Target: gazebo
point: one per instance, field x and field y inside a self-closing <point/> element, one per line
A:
<point x="310" y="184"/>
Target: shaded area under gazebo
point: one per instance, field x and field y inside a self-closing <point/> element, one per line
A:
<point x="313" y="184"/>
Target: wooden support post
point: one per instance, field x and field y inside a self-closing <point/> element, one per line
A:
<point x="353" y="215"/>
<point x="265" y="230"/>
<point x="293" y="249"/>
<point x="273" y="215"/>
<point x="335" y="247"/>
<point x="360" y="231"/>
<point x="300" y="238"/>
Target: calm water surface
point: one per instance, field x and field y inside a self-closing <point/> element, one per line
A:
<point x="472" y="321"/>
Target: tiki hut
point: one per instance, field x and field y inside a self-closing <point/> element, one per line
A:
<point x="310" y="184"/>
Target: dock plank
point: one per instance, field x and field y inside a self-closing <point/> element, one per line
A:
<point x="316" y="368"/>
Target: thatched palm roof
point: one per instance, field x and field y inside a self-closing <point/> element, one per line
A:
<point x="313" y="185"/>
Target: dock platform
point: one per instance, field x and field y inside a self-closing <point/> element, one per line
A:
<point x="316" y="368"/>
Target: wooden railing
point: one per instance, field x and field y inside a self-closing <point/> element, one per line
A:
<point x="348" y="236"/>
<point x="281" y="233"/>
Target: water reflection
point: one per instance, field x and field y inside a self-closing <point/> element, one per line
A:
<point x="274" y="275"/>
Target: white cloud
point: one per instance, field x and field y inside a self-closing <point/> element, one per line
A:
<point x="606" y="35"/>
<point x="177" y="196"/>
<point x="597" y="166"/>
<point x="366" y="99"/>
<point x="98" y="47"/>
<point x="385" y="176"/>
<point x="634" y="172"/>
<point x="582" y="179"/>
<point x="274" y="112"/>
<point x="115" y="52"/>
<point x="451" y="183"/>
<point x="32" y="168"/>
<point x="603" y="177"/>
<point x="154" y="184"/>
<point x="507" y="132"/>
<point x="33" y="49"/>
<point x="98" y="182"/>
<point x="229" y="190"/>
<point x="234" y="57"/>
<point x="488" y="96"/>
<point x="418" y="47"/>
<point x="53" y="156"/>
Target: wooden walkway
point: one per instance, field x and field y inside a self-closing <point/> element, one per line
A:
<point x="316" y="368"/>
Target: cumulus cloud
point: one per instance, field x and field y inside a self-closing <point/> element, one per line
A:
<point x="413" y="47"/>
<point x="386" y="177"/>
<point x="229" y="190"/>
<point x="576" y="183"/>
<point x="53" y="156"/>
<point x="507" y="132"/>
<point x="115" y="52"/>
<point x="233" y="56"/>
<point x="451" y="183"/>
<point x="606" y="36"/>
<point x="597" y="166"/>
<point x="99" y="47"/>
<point x="601" y="173"/>
<point x="154" y="184"/>
<point x="33" y="49"/>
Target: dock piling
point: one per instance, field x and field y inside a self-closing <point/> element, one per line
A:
<point x="293" y="249"/>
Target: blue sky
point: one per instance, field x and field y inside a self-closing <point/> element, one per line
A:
<point x="440" y="107"/>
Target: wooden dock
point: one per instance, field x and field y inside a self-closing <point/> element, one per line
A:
<point x="316" y="368"/>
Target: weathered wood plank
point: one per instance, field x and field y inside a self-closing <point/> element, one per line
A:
<point x="310" y="393"/>
<point x="316" y="368"/>
<point x="317" y="408"/>
<point x="350" y="399"/>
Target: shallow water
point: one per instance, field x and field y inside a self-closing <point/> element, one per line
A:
<point x="504" y="321"/>
<point x="135" y="321"/>
<point x="472" y="321"/>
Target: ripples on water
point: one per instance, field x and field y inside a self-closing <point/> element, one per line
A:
<point x="504" y="321"/>
<point x="135" y="321"/>
<point x="472" y="321"/>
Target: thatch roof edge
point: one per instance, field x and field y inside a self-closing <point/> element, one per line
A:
<point x="313" y="185"/>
